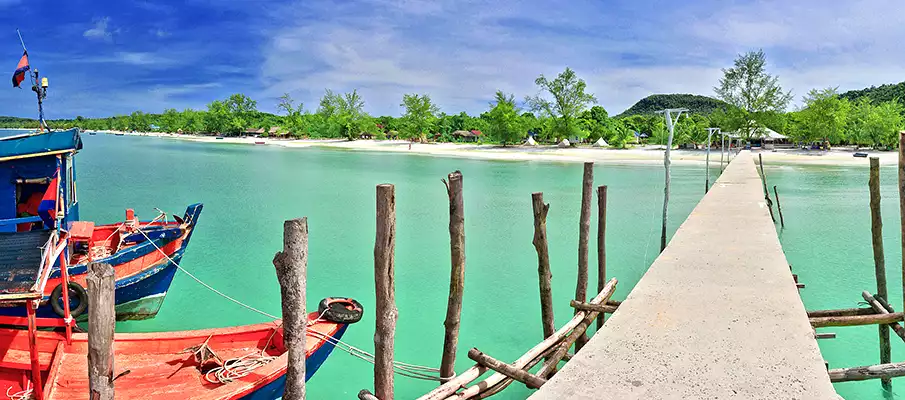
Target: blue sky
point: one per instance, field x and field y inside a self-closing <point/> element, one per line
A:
<point x="113" y="57"/>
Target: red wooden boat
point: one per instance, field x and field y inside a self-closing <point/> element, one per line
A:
<point x="163" y="365"/>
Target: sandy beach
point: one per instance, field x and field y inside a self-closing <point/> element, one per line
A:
<point x="651" y="154"/>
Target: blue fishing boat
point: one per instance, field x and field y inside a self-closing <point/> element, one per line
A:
<point x="38" y="196"/>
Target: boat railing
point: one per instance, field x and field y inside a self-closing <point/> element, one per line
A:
<point x="21" y="220"/>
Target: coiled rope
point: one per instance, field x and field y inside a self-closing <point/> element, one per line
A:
<point x="234" y="368"/>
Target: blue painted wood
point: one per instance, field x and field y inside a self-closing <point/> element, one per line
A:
<point x="16" y="221"/>
<point x="40" y="143"/>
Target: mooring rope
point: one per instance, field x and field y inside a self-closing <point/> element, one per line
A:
<point x="24" y="394"/>
<point x="242" y="364"/>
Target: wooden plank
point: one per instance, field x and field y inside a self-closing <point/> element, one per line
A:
<point x="385" y="305"/>
<point x="856" y="320"/>
<point x="101" y="323"/>
<point x="457" y="274"/>
<point x="584" y="231"/>
<point x="292" y="268"/>
<point x="529" y="379"/>
<point x="840" y="312"/>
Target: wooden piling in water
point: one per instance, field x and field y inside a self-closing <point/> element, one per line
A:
<point x="292" y="269"/>
<point x="876" y="229"/>
<point x="457" y="274"/>
<point x="666" y="163"/>
<point x="902" y="202"/>
<point x="782" y="221"/>
<point x="584" y="232"/>
<point x="601" y="245"/>
<point x="543" y="262"/>
<point x="101" y="323"/>
<point x="763" y="180"/>
<point x="385" y="305"/>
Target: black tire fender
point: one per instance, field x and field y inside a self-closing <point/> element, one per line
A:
<point x="340" y="310"/>
<point x="80" y="293"/>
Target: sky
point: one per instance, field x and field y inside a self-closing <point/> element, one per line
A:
<point x="108" y="58"/>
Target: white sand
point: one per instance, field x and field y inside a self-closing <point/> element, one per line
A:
<point x="638" y="155"/>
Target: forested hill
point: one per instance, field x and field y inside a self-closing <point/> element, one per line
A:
<point x="695" y="103"/>
<point x="879" y="94"/>
<point x="8" y="121"/>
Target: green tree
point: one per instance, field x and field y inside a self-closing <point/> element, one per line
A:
<point x="504" y="123"/>
<point x="342" y="114"/>
<point x="139" y="122"/>
<point x="569" y="101"/>
<point x="294" y="121"/>
<point x="874" y="125"/>
<point x="825" y="115"/>
<point x="748" y="87"/>
<point x="419" y="118"/>
<point x="171" y="120"/>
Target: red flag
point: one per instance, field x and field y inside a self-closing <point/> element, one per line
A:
<point x="48" y="207"/>
<point x="19" y="75"/>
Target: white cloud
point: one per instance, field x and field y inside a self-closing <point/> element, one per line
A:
<point x="100" y="31"/>
<point x="161" y="33"/>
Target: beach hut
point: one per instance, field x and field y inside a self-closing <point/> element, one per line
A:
<point x="601" y="143"/>
<point x="564" y="143"/>
<point x="530" y="142"/>
<point x="467" y="136"/>
<point x="254" y="131"/>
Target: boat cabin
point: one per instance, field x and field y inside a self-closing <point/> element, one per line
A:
<point x="37" y="180"/>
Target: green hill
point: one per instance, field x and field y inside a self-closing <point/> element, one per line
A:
<point x="695" y="103"/>
<point x="878" y="94"/>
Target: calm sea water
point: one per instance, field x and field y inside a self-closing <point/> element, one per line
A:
<point x="827" y="240"/>
<point x="248" y="191"/>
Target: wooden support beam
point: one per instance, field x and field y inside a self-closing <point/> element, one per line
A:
<point x="600" y="308"/>
<point x="385" y="306"/>
<point x="893" y="370"/>
<point x="601" y="244"/>
<point x="529" y="379"/>
<point x="584" y="232"/>
<point x="826" y="335"/>
<point x="763" y="179"/>
<point x="101" y="323"/>
<point x="551" y="363"/>
<point x="881" y="308"/>
<point x="857" y="320"/>
<point x="843" y="312"/>
<point x="782" y="221"/>
<point x="292" y="269"/>
<point x="366" y="394"/>
<point x="457" y="273"/>
<point x="543" y="263"/>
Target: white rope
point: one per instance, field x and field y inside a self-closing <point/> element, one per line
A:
<point x="25" y="394"/>
<point x="241" y="364"/>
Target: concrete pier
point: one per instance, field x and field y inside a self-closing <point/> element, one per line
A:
<point x="717" y="315"/>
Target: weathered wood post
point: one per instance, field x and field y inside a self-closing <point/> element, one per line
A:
<point x="876" y="235"/>
<point x="543" y="262"/>
<point x="601" y="245"/>
<point x="723" y="149"/>
<point x="292" y="269"/>
<point x="763" y="180"/>
<point x="584" y="232"/>
<point x="902" y="202"/>
<point x="782" y="221"/>
<point x="457" y="276"/>
<point x="666" y="164"/>
<point x="385" y="305"/>
<point x="101" y="323"/>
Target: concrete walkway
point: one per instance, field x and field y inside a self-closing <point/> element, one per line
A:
<point x="717" y="316"/>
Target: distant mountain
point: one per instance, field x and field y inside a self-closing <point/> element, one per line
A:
<point x="879" y="94"/>
<point x="695" y="103"/>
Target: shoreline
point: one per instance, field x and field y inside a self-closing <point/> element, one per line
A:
<point x="647" y="155"/>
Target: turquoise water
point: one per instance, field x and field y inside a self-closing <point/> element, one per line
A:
<point x="827" y="240"/>
<point x="248" y="191"/>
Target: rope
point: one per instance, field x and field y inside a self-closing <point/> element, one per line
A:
<point x="236" y="367"/>
<point x="25" y="394"/>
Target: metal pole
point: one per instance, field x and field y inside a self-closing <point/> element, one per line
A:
<point x="20" y="40"/>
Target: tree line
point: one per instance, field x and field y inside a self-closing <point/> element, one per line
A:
<point x="750" y="100"/>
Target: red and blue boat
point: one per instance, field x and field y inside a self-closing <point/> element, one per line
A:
<point x="38" y="195"/>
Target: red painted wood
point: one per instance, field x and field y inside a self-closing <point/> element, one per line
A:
<point x="156" y="367"/>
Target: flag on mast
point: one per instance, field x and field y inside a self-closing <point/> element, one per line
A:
<point x="19" y="75"/>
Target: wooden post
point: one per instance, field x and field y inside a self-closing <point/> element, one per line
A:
<point x="763" y="180"/>
<point x="457" y="276"/>
<point x="385" y="305"/>
<point x="707" y="163"/>
<point x="601" y="245"/>
<point x="723" y="149"/>
<point x="292" y="268"/>
<point x="101" y="323"/>
<point x="782" y="221"/>
<point x="543" y="263"/>
<point x="902" y="201"/>
<point x="876" y="235"/>
<point x="882" y="307"/>
<point x="584" y="232"/>
<point x="666" y="163"/>
<point x="365" y="394"/>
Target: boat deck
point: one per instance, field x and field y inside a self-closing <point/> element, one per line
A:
<point x="20" y="260"/>
<point x="717" y="315"/>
